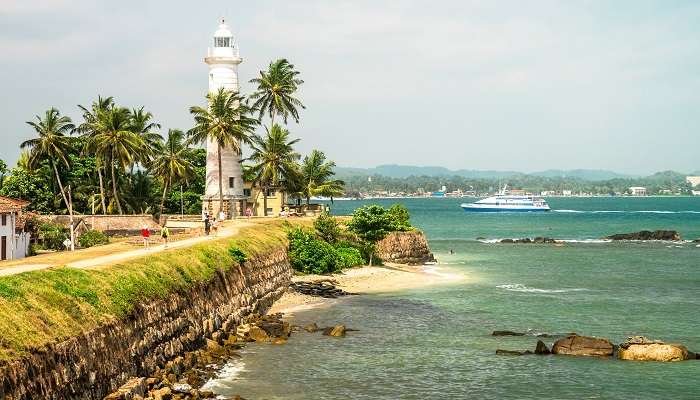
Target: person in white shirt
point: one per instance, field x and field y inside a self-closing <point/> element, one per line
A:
<point x="222" y="216"/>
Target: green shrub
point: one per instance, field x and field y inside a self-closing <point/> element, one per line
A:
<point x="311" y="255"/>
<point x="399" y="217"/>
<point x="53" y="235"/>
<point x="92" y="238"/>
<point x="348" y="257"/>
<point x="327" y="227"/>
<point x="237" y="254"/>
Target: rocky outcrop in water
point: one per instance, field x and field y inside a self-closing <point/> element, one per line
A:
<point x="647" y="235"/>
<point x="325" y="289"/>
<point x="405" y="248"/>
<point x="576" y="345"/>
<point x="97" y="362"/>
<point x="639" y="348"/>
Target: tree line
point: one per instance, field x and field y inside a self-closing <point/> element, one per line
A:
<point x="115" y="161"/>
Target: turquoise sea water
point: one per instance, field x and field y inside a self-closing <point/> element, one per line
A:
<point x="435" y="342"/>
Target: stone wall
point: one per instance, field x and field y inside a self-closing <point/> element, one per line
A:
<point x="405" y="248"/>
<point x="97" y="362"/>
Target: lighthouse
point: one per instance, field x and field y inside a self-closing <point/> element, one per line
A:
<point x="223" y="59"/>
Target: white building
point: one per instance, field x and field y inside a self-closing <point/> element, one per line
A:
<point x="223" y="60"/>
<point x="693" y="180"/>
<point x="14" y="242"/>
<point x="638" y="191"/>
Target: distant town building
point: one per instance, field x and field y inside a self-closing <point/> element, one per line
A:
<point x="14" y="241"/>
<point x="693" y="180"/>
<point x="566" y="193"/>
<point x="638" y="191"/>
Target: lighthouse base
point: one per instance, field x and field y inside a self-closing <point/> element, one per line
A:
<point x="233" y="206"/>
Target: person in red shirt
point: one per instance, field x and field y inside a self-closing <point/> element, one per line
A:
<point x="146" y="235"/>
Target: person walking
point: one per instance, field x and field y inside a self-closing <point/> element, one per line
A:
<point x="146" y="235"/>
<point x="207" y="225"/>
<point x="165" y="234"/>
<point x="215" y="227"/>
<point x="248" y="212"/>
<point x="222" y="216"/>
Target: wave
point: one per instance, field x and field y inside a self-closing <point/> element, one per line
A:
<point x="627" y="212"/>
<point x="230" y="371"/>
<point x="518" y="287"/>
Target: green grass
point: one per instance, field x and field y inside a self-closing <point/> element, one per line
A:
<point x="45" y="306"/>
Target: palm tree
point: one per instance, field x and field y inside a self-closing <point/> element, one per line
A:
<point x="275" y="91"/>
<point x="171" y="163"/>
<point x="316" y="173"/>
<point x="225" y="122"/>
<point x="274" y="159"/>
<point x="52" y="145"/>
<point x="88" y="130"/>
<point x="142" y="124"/>
<point x="116" y="142"/>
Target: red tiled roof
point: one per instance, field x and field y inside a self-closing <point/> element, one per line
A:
<point x="8" y="204"/>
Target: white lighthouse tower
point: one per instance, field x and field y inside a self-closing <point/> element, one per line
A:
<point x="223" y="60"/>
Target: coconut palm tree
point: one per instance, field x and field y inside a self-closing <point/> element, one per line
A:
<point x="116" y="142"/>
<point x="171" y="164"/>
<point x="143" y="125"/>
<point x="226" y="123"/>
<point x="274" y="159"/>
<point x="275" y="92"/>
<point x="89" y="132"/>
<point x="52" y="145"/>
<point x="316" y="174"/>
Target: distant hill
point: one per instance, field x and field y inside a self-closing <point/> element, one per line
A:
<point x="404" y="171"/>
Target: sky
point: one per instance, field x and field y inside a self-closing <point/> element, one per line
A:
<point x="487" y="84"/>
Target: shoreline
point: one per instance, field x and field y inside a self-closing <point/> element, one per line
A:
<point x="366" y="280"/>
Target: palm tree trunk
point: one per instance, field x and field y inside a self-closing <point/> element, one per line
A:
<point x="63" y="192"/>
<point x="221" y="182"/>
<point x="114" y="186"/>
<point x="265" y="201"/>
<point x="162" y="199"/>
<point x="102" y="191"/>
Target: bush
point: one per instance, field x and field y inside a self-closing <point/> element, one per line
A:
<point x="311" y="255"/>
<point x="53" y="236"/>
<point x="399" y="217"/>
<point x="327" y="227"/>
<point x="92" y="238"/>
<point x="238" y="254"/>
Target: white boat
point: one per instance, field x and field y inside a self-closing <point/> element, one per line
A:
<point x="504" y="202"/>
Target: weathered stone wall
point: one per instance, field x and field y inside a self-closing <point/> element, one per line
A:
<point x="405" y="248"/>
<point x="97" y="362"/>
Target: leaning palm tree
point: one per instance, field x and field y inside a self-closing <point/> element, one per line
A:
<point x="143" y="125"/>
<point x="316" y="174"/>
<point x="117" y="143"/>
<point x="275" y="92"/>
<point x="88" y="130"/>
<point x="171" y="164"/>
<point x="274" y="158"/>
<point x="52" y="145"/>
<point x="226" y="122"/>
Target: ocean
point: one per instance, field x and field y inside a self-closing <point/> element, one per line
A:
<point x="436" y="342"/>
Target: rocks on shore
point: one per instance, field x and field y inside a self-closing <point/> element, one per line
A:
<point x="537" y="240"/>
<point x="324" y="288"/>
<point x="264" y="328"/>
<point x="647" y="235"/>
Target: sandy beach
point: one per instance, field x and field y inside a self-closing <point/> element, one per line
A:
<point x="367" y="280"/>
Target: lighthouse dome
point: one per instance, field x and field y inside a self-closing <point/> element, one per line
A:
<point x="223" y="30"/>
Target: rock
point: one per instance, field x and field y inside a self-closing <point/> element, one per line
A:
<point x="274" y="329"/>
<point x="162" y="394"/>
<point x="501" y="352"/>
<point x="181" y="388"/>
<point x="506" y="333"/>
<point x="258" y="334"/>
<point x="336" y="331"/>
<point x="647" y="235"/>
<point x="542" y="348"/>
<point x="279" y="340"/>
<point x="311" y="328"/>
<point x="133" y="387"/>
<point x="640" y="348"/>
<point x="507" y="241"/>
<point x="576" y="345"/>
<point x="405" y="248"/>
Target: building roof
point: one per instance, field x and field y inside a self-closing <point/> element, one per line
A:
<point x="8" y="204"/>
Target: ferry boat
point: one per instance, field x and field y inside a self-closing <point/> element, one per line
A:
<point x="504" y="202"/>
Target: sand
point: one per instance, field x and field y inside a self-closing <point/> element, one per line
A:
<point x="367" y="280"/>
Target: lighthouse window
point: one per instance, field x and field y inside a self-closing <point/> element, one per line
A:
<point x="231" y="181"/>
<point x="222" y="42"/>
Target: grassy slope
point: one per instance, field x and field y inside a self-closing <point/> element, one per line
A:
<point x="41" y="307"/>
